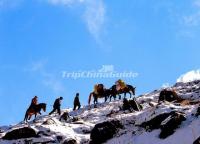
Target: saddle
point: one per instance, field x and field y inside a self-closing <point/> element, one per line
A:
<point x="120" y="85"/>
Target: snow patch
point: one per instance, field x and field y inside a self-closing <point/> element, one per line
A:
<point x="190" y="76"/>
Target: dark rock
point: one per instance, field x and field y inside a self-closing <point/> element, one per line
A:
<point x="167" y="122"/>
<point x="126" y="105"/>
<point x="170" y="124"/>
<point x="104" y="131"/>
<point x="25" y="132"/>
<point x="131" y="105"/>
<point x="70" y="141"/>
<point x="155" y="122"/>
<point x="197" y="141"/>
<point x="135" y="105"/>
<point x="198" y="111"/>
<point x="59" y="138"/>
<point x="168" y="95"/>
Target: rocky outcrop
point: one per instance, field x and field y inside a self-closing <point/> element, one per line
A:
<point x="197" y="141"/>
<point x="25" y="132"/>
<point x="169" y="126"/>
<point x="70" y="141"/>
<point x="167" y="122"/>
<point x="131" y="105"/>
<point x="155" y="122"/>
<point x="104" y="131"/>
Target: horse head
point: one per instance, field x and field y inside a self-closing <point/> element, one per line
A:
<point x="43" y="106"/>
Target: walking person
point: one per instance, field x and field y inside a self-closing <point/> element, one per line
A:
<point x="76" y="102"/>
<point x="56" y="106"/>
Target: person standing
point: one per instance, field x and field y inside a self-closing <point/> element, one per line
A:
<point x="76" y="102"/>
<point x="56" y="106"/>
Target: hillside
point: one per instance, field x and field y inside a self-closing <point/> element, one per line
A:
<point x="164" y="123"/>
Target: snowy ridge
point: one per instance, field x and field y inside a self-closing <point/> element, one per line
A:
<point x="190" y="76"/>
<point x="77" y="129"/>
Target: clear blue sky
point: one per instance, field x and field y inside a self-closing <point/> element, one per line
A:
<point x="160" y="40"/>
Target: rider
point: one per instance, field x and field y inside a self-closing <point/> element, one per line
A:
<point x="34" y="102"/>
<point x="56" y="106"/>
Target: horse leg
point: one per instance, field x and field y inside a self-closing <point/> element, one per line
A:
<point x="110" y="98"/>
<point x="105" y="98"/>
<point x="130" y="94"/>
<point x="26" y="117"/>
<point x="125" y="95"/>
<point x="119" y="97"/>
<point x="95" y="100"/>
<point x="114" y="96"/>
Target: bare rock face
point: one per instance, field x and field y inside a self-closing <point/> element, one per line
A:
<point x="25" y="132"/>
<point x="131" y="105"/>
<point x="197" y="141"/>
<point x="104" y="131"/>
<point x="167" y="122"/>
<point x="155" y="122"/>
<point x="70" y="141"/>
<point x="169" y="126"/>
<point x="198" y="112"/>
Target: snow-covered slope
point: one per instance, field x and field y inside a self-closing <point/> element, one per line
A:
<point x="134" y="129"/>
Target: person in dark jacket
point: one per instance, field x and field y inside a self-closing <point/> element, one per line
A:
<point x="56" y="106"/>
<point x="76" y="102"/>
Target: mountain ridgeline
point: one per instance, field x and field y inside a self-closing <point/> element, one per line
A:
<point x="116" y="122"/>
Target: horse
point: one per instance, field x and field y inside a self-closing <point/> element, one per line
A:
<point x="127" y="89"/>
<point x="104" y="94"/>
<point x="34" y="111"/>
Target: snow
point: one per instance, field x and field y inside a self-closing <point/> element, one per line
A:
<point x="89" y="116"/>
<point x="189" y="76"/>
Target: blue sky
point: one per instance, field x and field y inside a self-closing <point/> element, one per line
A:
<point x="41" y="38"/>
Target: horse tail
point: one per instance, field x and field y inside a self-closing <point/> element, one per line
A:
<point x="89" y="99"/>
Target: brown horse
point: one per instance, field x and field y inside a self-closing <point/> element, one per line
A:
<point x="105" y="94"/>
<point x="128" y="89"/>
<point x="34" y="111"/>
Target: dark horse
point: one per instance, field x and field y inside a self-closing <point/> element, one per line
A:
<point x="105" y="94"/>
<point x="34" y="111"/>
<point x="127" y="89"/>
